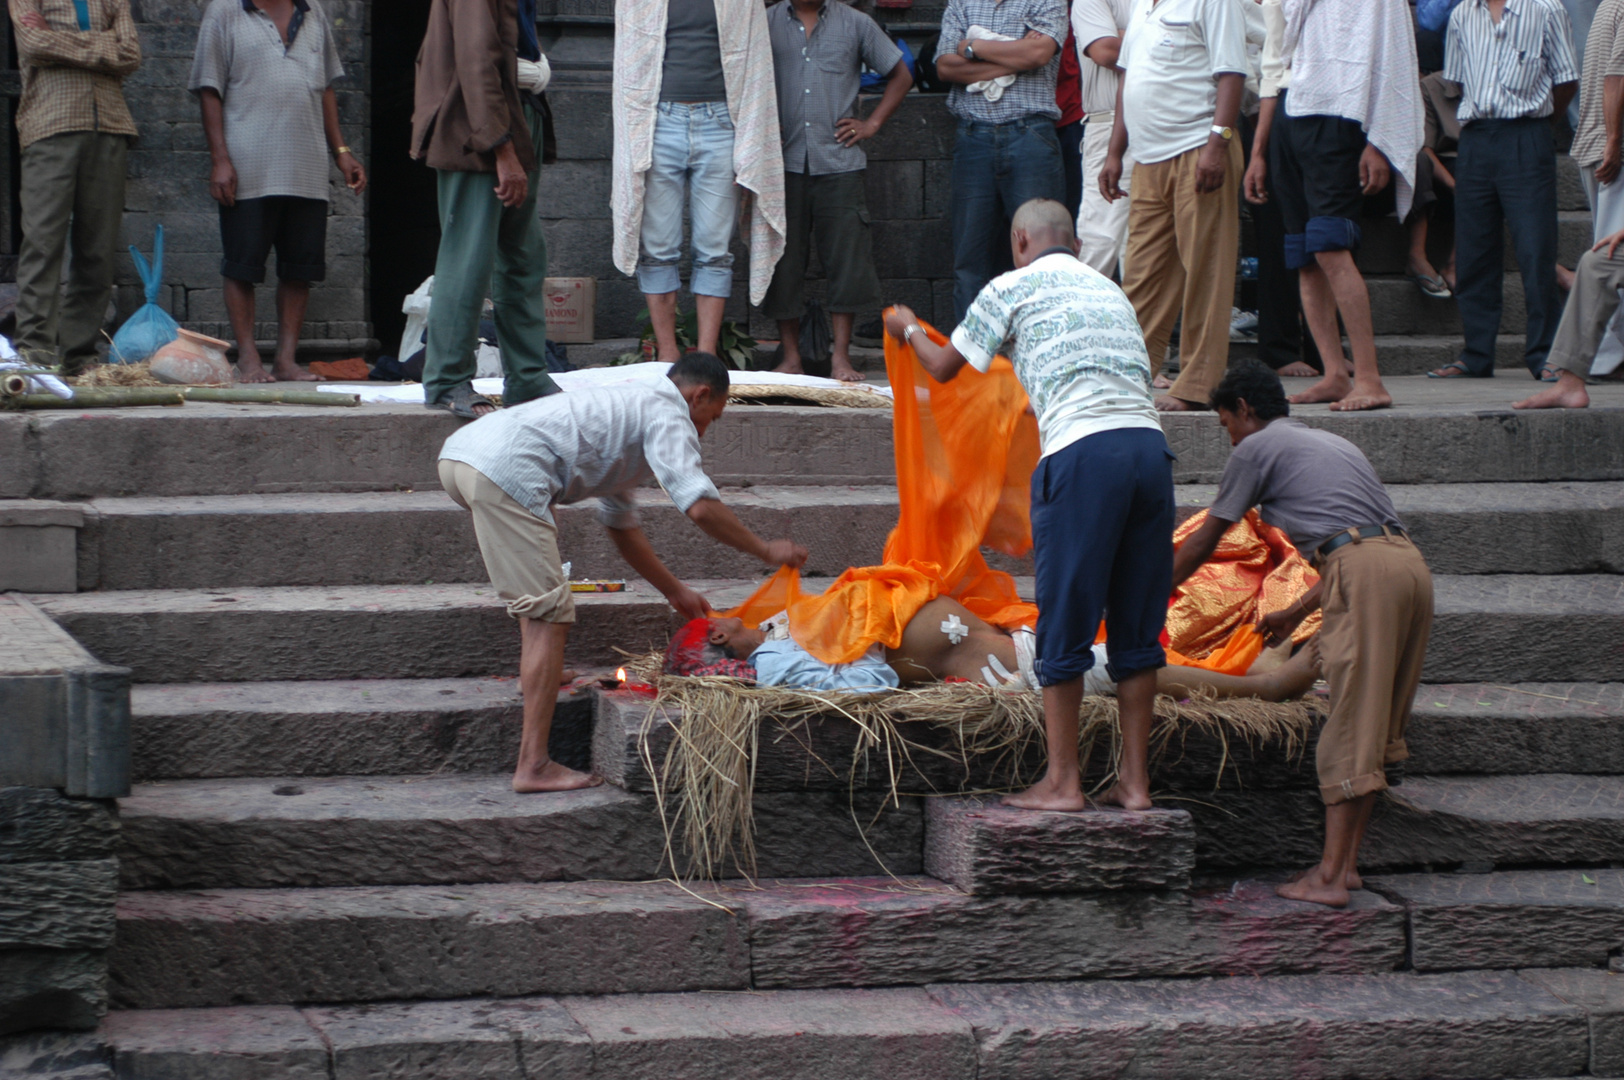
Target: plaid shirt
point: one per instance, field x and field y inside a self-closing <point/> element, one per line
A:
<point x="72" y="77"/>
<point x="1033" y="91"/>
<point x="818" y="77"/>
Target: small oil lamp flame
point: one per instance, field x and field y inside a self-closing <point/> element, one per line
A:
<point x="620" y="676"/>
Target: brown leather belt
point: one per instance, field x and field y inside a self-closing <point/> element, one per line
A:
<point x="1352" y="536"/>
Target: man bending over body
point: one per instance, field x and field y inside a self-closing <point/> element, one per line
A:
<point x="511" y="467"/>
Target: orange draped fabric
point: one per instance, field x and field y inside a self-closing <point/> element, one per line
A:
<point x="965" y="451"/>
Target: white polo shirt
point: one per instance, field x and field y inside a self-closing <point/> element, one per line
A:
<point x="1172" y="56"/>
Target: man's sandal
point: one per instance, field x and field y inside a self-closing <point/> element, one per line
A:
<point x="461" y="401"/>
<point x="1547" y="374"/>
<point x="1453" y="370"/>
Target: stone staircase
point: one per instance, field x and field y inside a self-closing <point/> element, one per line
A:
<point x="324" y="873"/>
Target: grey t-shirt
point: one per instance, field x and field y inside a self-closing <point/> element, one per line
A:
<point x="1306" y="481"/>
<point x="693" y="53"/>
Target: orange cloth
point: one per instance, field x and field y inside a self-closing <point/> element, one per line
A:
<point x="965" y="451"/>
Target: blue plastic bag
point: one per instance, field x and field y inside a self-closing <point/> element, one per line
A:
<point x="151" y="327"/>
<point x="1434" y="14"/>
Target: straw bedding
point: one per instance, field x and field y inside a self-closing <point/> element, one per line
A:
<point x="835" y="396"/>
<point x="705" y="776"/>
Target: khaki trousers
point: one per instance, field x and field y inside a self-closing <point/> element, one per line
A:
<point x="72" y="195"/>
<point x="520" y="549"/>
<point x="1378" y="615"/>
<point x="1181" y="256"/>
<point x="1592" y="305"/>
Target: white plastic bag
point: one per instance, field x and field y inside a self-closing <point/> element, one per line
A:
<point x="416" y="310"/>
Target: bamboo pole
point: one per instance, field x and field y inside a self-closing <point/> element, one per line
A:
<point x="103" y="397"/>
<point x="274" y="395"/>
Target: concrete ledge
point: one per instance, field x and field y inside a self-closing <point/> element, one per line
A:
<point x="985" y="848"/>
<point x="243" y="1043"/>
<point x="38" y="545"/>
<point x="492" y="1040"/>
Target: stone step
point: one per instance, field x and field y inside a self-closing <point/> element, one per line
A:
<point x="1461" y="1026"/>
<point x="1398" y="307"/>
<point x="1488" y="628"/>
<point x="1492" y="729"/>
<point x="390" y="538"/>
<point x="1511" y="918"/>
<point x="431" y="830"/>
<point x="1450" y="431"/>
<point x="1384" y="245"/>
<point x="273" y="946"/>
<point x="1428" y="821"/>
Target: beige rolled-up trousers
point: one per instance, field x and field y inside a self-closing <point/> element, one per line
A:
<point x="520" y="549"/>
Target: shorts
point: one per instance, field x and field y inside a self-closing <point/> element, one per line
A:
<point x="831" y="211"/>
<point x="1102" y="541"/>
<point x="520" y="549"/>
<point x="296" y="227"/>
<point x="1315" y="161"/>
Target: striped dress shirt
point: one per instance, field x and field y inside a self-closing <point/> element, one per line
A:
<point x="1506" y="69"/>
<point x="602" y="443"/>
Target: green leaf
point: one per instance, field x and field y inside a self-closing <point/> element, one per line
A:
<point x="1587" y="879"/>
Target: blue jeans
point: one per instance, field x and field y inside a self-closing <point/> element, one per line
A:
<point x="693" y="160"/>
<point x="996" y="168"/>
<point x="1505" y="177"/>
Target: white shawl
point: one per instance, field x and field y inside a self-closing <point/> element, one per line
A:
<point x="752" y="98"/>
<point x="1356" y="59"/>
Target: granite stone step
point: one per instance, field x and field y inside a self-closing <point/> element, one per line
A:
<point x="1488" y="628"/>
<point x="1461" y="1026"/>
<point x="1511" y="918"/>
<point x="271" y="946"/>
<point x="259" y="832"/>
<point x="401" y="538"/>
<point x="1435" y="822"/>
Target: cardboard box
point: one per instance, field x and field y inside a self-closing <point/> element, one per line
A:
<point x="572" y="304"/>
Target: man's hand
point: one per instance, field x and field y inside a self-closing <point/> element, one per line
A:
<point x="355" y="177"/>
<point x="688" y="602"/>
<point x="1610" y="243"/>
<point x="1277" y="626"/>
<point x="33" y="20"/>
<point x="898" y="319"/>
<point x="786" y="553"/>
<point x="511" y="184"/>
<point x="851" y="131"/>
<point x="1374" y="172"/>
<point x="223" y="182"/>
<point x="1611" y="157"/>
<point x="1255" y="184"/>
<point x="1111" y="178"/>
<point x="1209" y="167"/>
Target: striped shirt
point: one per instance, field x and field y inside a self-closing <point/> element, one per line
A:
<point x="818" y="76"/>
<point x="1033" y="91"/>
<point x="72" y="78"/>
<point x="1506" y="69"/>
<point x="1604" y="58"/>
<point x="602" y="443"/>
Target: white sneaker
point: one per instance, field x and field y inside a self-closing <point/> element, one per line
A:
<point x="1242" y="325"/>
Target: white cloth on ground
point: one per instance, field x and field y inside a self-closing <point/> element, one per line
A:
<point x="993" y="89"/>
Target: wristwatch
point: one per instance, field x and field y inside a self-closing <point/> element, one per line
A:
<point x="1224" y="133"/>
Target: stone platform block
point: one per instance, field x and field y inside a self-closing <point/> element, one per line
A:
<point x="225" y="947"/>
<point x="985" y="848"/>
<point x="38" y="545"/>
<point x="43" y="825"/>
<point x="1432" y="821"/>
<point x="59" y="1055"/>
<point x="898" y="1034"/>
<point x="1601" y="995"/>
<point x="58" y="905"/>
<point x="1487" y="728"/>
<point x="513" y="1039"/>
<point x="1473" y="639"/>
<point x="61" y="988"/>
<point x="347" y="727"/>
<point x="1476" y="1026"/>
<point x="455" y="829"/>
<point x="879" y="932"/>
<point x="245" y="1042"/>
<point x="1520" y="918"/>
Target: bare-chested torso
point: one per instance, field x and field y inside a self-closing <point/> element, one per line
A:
<point x="928" y="655"/>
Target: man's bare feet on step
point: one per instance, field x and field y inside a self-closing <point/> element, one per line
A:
<point x="1161" y="382"/>
<point x="251" y="370"/>
<point x="840" y="368"/>
<point x="1050" y="794"/>
<point x="1352" y="879"/>
<point x="1334" y="385"/>
<point x="1297" y="369"/>
<point x="1126" y="797"/>
<point x="549" y="775"/>
<point x="1169" y="403"/>
<point x="1315" y="887"/>
<point x="290" y="371"/>
<point x="1363" y="397"/>
<point x="1568" y="393"/>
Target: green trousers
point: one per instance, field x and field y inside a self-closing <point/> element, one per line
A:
<point x="72" y="199"/>
<point x="487" y="249"/>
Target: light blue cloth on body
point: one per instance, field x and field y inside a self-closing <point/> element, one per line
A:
<point x="784" y="663"/>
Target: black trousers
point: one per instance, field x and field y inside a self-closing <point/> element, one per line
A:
<point x="1281" y="337"/>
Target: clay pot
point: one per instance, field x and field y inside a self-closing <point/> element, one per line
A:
<point x="193" y="359"/>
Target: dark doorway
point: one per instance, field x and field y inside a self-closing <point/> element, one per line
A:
<point x="405" y="225"/>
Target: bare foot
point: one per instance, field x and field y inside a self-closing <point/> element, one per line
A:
<point x="1564" y="278"/>
<point x="1128" y="799"/>
<point x="568" y="676"/>
<point x="1161" y="382"/>
<point x="1333" y="386"/>
<point x="1363" y="397"/>
<point x="482" y="410"/>
<point x="1313" y="887"/>
<point x="250" y="370"/>
<point x="840" y="368"/>
<point x="1568" y="393"/>
<point x="1297" y="370"/>
<point x="290" y="371"/>
<point x="1352" y="879"/>
<point x="1049" y="794"/>
<point x="788" y="366"/>
<point x="1169" y="403"/>
<point x="551" y="776"/>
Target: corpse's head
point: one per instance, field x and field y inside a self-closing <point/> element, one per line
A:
<point x="703" y="382"/>
<point x="735" y="638"/>
<point x="1038" y="226"/>
<point x="1247" y="399"/>
<point x="712" y="646"/>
